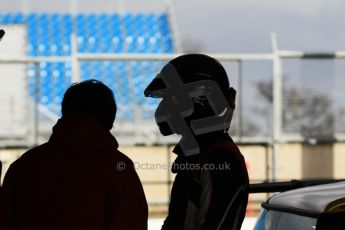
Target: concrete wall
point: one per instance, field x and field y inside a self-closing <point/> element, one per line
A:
<point x="296" y="161"/>
<point x="13" y="109"/>
<point x="339" y="160"/>
<point x="317" y="161"/>
<point x="290" y="162"/>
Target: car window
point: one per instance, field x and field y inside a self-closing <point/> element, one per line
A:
<point x="271" y="220"/>
<point x="274" y="220"/>
<point x="260" y="223"/>
<point x="288" y="221"/>
<point x="267" y="220"/>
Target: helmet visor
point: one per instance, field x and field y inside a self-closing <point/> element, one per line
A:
<point x="153" y="89"/>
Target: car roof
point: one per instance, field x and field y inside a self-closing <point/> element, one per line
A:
<point x="309" y="201"/>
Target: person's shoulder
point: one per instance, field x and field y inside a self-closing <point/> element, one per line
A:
<point x="33" y="152"/>
<point x="224" y="150"/>
<point x="26" y="158"/>
<point x="121" y="157"/>
<point x="117" y="155"/>
<point x="120" y="161"/>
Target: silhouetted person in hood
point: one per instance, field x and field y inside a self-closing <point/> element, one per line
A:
<point x="78" y="179"/>
<point x="210" y="190"/>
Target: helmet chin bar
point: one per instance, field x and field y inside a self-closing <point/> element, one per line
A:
<point x="164" y="128"/>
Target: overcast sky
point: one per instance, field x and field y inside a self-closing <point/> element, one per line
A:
<point x="230" y="25"/>
<point x="245" y="26"/>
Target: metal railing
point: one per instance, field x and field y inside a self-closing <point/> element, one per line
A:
<point x="276" y="57"/>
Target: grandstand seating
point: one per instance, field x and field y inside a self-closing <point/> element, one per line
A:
<point x="50" y="35"/>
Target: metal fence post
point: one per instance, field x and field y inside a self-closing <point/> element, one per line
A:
<point x="277" y="106"/>
<point x="36" y="104"/>
<point x="239" y="116"/>
<point x="75" y="59"/>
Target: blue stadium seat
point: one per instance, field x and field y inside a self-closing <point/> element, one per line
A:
<point x="50" y="35"/>
<point x="8" y="18"/>
<point x="18" y="18"/>
<point x="31" y="19"/>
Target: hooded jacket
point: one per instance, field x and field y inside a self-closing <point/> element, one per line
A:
<point x="77" y="180"/>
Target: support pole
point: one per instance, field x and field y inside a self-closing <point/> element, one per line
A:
<point x="121" y="7"/>
<point x="74" y="6"/>
<point x="174" y="26"/>
<point x="37" y="95"/>
<point x="75" y="60"/>
<point x="277" y="106"/>
<point x="26" y="7"/>
<point x="239" y="108"/>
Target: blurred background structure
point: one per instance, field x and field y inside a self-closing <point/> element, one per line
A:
<point x="290" y="116"/>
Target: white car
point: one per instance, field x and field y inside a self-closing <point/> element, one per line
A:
<point x="314" y="207"/>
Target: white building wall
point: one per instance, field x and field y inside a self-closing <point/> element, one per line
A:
<point x="13" y="91"/>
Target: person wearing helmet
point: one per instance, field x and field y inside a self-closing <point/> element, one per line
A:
<point x="210" y="190"/>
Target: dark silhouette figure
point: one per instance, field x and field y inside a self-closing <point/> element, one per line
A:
<point x="210" y="190"/>
<point x="78" y="179"/>
<point x="2" y="33"/>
